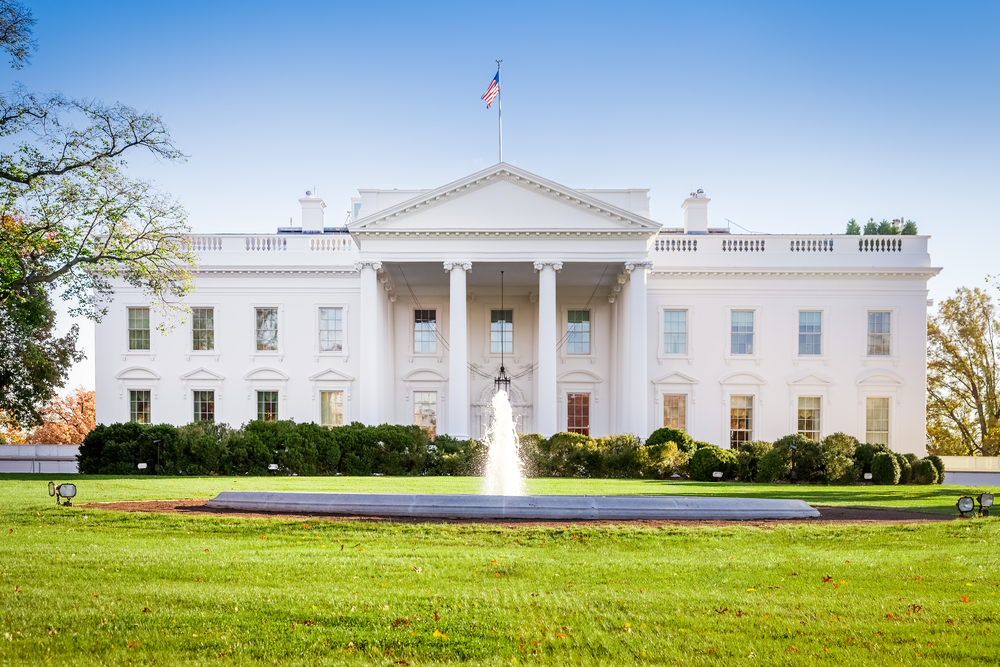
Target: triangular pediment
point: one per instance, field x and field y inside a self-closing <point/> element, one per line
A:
<point x="330" y="375"/>
<point x="810" y="379"/>
<point x="202" y="374"/>
<point x="675" y="378"/>
<point x="503" y="199"/>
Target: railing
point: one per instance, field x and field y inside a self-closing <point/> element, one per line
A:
<point x="675" y="245"/>
<point x="880" y="244"/>
<point x="739" y="245"/>
<point x="266" y="243"/>
<point x="811" y="245"/>
<point x="334" y="244"/>
<point x="203" y="243"/>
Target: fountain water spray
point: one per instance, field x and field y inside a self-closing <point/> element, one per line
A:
<point x="503" y="475"/>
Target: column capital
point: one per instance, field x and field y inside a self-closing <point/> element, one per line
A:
<point x="464" y="265"/>
<point x="369" y="263"/>
<point x="557" y="266"/>
<point x="632" y="266"/>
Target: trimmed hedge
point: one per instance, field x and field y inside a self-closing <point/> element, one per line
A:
<point x="885" y="468"/>
<point x="711" y="459"/>
<point x="924" y="472"/>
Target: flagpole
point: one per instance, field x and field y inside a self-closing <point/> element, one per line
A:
<point x="500" y="109"/>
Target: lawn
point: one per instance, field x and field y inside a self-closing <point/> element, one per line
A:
<point x="79" y="586"/>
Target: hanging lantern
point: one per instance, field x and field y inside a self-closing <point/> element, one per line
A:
<point x="502" y="381"/>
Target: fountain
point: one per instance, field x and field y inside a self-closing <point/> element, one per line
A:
<point x="504" y="494"/>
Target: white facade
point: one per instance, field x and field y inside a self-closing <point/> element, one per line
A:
<point x="691" y="319"/>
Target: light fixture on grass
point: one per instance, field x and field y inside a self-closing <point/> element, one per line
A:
<point x="965" y="505"/>
<point x="868" y="477"/>
<point x="66" y="491"/>
<point x="985" y="503"/>
<point x="717" y="475"/>
<point x="141" y="466"/>
<point x="272" y="466"/>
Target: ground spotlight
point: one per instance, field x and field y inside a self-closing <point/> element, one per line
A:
<point x="272" y="466"/>
<point x="141" y="466"/>
<point x="965" y="505"/>
<point x="717" y="475"/>
<point x="985" y="503"/>
<point x="66" y="491"/>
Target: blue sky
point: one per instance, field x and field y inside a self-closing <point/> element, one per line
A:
<point x="793" y="116"/>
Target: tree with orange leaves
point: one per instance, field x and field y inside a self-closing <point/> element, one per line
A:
<point x="66" y="420"/>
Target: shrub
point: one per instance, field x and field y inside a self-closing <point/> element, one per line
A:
<point x="618" y="456"/>
<point x="939" y="466"/>
<point x="665" y="460"/>
<point x="565" y="455"/>
<point x="199" y="449"/>
<point x="449" y="456"/>
<point x="664" y="435"/>
<point x="924" y="472"/>
<point x="885" y="468"/>
<point x="707" y="460"/>
<point x="774" y="466"/>
<point x="838" y="458"/>
<point x="748" y="458"/>
<point x="905" y="471"/>
<point x="806" y="457"/>
<point x="863" y="455"/>
<point x="912" y="458"/>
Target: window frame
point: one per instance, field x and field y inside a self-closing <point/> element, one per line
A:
<point x="344" y="323"/>
<point x="819" y="420"/>
<point x="279" y="350"/>
<point x="437" y="409"/>
<point x="523" y="321"/>
<point x="825" y="320"/>
<point x="585" y="429"/>
<point x="754" y="403"/>
<point x="893" y="356"/>
<point x="892" y="326"/>
<point x="149" y="404"/>
<point x="277" y="403"/>
<point x="148" y="329"/>
<point x="662" y="355"/>
<point x="194" y="403"/>
<point x="758" y="328"/>
<point x="564" y="353"/>
<point x="191" y="352"/>
<point x="441" y="324"/>
<point x="343" y="405"/>
<point x="888" y="418"/>
<point x="686" y="397"/>
<point x="125" y="350"/>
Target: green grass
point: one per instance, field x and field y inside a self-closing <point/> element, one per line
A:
<point x="83" y="586"/>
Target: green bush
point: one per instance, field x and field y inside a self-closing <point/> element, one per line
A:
<point x="924" y="472"/>
<point x="838" y="458"/>
<point x="863" y="455"/>
<point x="939" y="466"/>
<point x="774" y="466"/>
<point x="709" y="459"/>
<point x="619" y="456"/>
<point x="912" y="458"/>
<point x="885" y="468"/>
<point x="664" y="435"/>
<point x="806" y="457"/>
<point x="748" y="458"/>
<point x="905" y="470"/>
<point x="565" y="455"/>
<point x="665" y="460"/>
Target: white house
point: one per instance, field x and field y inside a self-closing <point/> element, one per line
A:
<point x="609" y="322"/>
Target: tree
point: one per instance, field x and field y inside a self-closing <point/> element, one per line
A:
<point x="909" y="229"/>
<point x="852" y="228"/>
<point x="34" y="363"/>
<point x="871" y="227"/>
<point x="72" y="221"/>
<point x="963" y="407"/>
<point x="65" y="421"/>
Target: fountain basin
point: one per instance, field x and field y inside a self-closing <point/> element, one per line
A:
<point x="556" y="507"/>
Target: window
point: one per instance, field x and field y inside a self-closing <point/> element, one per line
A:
<point x="809" y="407"/>
<point x="138" y="329"/>
<point x="331" y="329"/>
<point x="877" y="421"/>
<point x="810" y="332"/>
<point x="675" y="411"/>
<point x="202" y="329"/>
<point x="578" y="412"/>
<point x="267" y="406"/>
<point x="740" y="420"/>
<point x="879" y="334"/>
<point x="425" y="411"/>
<point x="139" y="406"/>
<point x="675" y="332"/>
<point x="741" y="332"/>
<point x="267" y="329"/>
<point x="425" y="331"/>
<point x="501" y="331"/>
<point x="578" y="332"/>
<point x="204" y="406"/>
<point x="331" y="408"/>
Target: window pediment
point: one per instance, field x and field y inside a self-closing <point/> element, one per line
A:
<point x="743" y="378"/>
<point x="137" y="373"/>
<point x="330" y="375"/>
<point x="202" y="374"/>
<point x="266" y="375"/>
<point x="676" y="378"/>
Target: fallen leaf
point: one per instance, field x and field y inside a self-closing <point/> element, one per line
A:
<point x="147" y="610"/>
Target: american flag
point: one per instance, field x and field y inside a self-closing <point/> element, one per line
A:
<point x="493" y="90"/>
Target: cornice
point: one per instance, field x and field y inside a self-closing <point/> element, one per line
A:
<point x="502" y="236"/>
<point x="887" y="272"/>
<point x="271" y="269"/>
<point x="526" y="180"/>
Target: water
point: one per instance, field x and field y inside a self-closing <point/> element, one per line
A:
<point x="503" y="475"/>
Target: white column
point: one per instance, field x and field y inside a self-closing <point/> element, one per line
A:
<point x="368" y="370"/>
<point x="458" y="353"/>
<point x="638" y="392"/>
<point x="546" y="418"/>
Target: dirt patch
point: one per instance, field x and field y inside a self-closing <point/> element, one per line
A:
<point x="828" y="515"/>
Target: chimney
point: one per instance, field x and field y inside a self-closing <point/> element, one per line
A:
<point x="696" y="213"/>
<point x="312" y="213"/>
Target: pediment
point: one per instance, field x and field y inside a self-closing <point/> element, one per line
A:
<point x="202" y="374"/>
<point x="504" y="199"/>
<point x="580" y="376"/>
<point x="266" y="375"/>
<point x="743" y="378"/>
<point x="880" y="378"/>
<point x="424" y="375"/>
<point x="330" y="375"/>
<point x="676" y="378"/>
<point x="137" y="373"/>
<point x="810" y="379"/>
